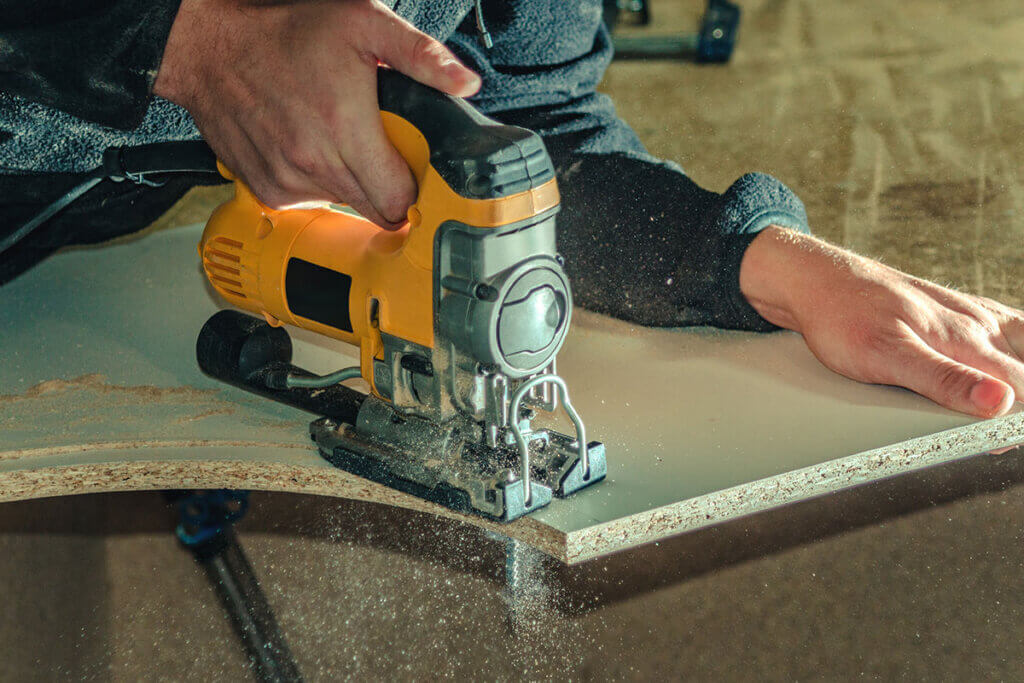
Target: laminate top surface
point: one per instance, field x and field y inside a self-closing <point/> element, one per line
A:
<point x="700" y="426"/>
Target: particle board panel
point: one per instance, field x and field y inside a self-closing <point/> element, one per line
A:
<point x="99" y="391"/>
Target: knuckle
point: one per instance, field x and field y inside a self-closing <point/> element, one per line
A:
<point x="876" y="340"/>
<point x="395" y="204"/>
<point x="368" y="59"/>
<point x="274" y="197"/>
<point x="426" y="49"/>
<point x="983" y="317"/>
<point x="284" y="181"/>
<point x="953" y="380"/>
<point x="290" y="186"/>
<point x="970" y="331"/>
<point x="302" y="158"/>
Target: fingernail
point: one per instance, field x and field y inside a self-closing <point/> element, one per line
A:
<point x="461" y="72"/>
<point x="473" y="84"/>
<point x="988" y="395"/>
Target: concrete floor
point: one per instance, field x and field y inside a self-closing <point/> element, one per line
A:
<point x="900" y="126"/>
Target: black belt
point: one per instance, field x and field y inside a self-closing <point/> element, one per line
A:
<point x="135" y="164"/>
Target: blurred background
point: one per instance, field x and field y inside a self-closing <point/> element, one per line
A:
<point x="901" y="125"/>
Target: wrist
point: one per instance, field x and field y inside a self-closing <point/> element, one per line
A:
<point x="783" y="272"/>
<point x="168" y="81"/>
<point x="177" y="76"/>
<point x="767" y="277"/>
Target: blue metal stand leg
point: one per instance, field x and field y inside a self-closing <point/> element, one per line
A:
<point x="205" y="528"/>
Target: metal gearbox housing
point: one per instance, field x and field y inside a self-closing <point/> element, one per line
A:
<point x="445" y="430"/>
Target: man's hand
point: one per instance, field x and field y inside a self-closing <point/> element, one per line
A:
<point x="286" y="95"/>
<point x="875" y="324"/>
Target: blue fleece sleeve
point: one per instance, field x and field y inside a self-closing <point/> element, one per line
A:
<point x="641" y="240"/>
<point x="94" y="59"/>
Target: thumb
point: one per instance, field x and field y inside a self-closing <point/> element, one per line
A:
<point x="401" y="46"/>
<point x="950" y="383"/>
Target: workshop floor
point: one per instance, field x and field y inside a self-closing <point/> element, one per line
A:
<point x="902" y="127"/>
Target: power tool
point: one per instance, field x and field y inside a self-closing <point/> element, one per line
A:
<point x="458" y="315"/>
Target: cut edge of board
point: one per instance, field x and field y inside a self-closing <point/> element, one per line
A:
<point x="167" y="466"/>
<point x="164" y="467"/>
<point x="790" y="487"/>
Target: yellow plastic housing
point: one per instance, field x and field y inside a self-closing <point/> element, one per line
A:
<point x="246" y="248"/>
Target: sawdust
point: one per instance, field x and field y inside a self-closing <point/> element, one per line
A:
<point x="97" y="383"/>
<point x="53" y="432"/>
<point x="71" y="449"/>
<point x="453" y="610"/>
<point x="205" y="414"/>
<point x="851" y="104"/>
<point x="87" y="414"/>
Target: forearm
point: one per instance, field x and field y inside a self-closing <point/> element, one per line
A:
<point x="96" y="60"/>
<point x="774" y="266"/>
<point x="789" y="277"/>
<point x="643" y="242"/>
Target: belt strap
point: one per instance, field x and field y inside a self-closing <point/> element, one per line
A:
<point x="134" y="164"/>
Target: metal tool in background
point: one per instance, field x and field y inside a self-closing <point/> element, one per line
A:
<point x="206" y="529"/>
<point x="458" y="315"/>
<point x="713" y="43"/>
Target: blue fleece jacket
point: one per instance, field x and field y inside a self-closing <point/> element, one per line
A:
<point x="641" y="240"/>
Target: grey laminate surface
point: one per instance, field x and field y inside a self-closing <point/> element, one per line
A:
<point x="101" y="392"/>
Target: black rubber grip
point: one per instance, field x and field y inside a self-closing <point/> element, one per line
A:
<point x="478" y="157"/>
<point x="246" y="352"/>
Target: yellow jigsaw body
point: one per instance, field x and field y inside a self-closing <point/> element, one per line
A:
<point x="458" y="314"/>
<point x="247" y="246"/>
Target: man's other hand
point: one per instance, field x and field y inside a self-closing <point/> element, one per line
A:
<point x="286" y="95"/>
<point x="875" y="324"/>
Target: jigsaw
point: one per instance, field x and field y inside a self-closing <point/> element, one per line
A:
<point x="458" y="315"/>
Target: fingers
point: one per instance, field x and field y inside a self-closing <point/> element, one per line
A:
<point x="981" y="339"/>
<point x="346" y="189"/>
<point x="419" y="56"/>
<point x="318" y="162"/>
<point x="994" y="357"/>
<point x="1013" y="330"/>
<point x="377" y="167"/>
<point x="379" y="170"/>
<point x="298" y="120"/>
<point x="277" y="180"/>
<point x="289" y="178"/>
<point x="950" y="383"/>
<point x="238" y="153"/>
<point x="997" y="363"/>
